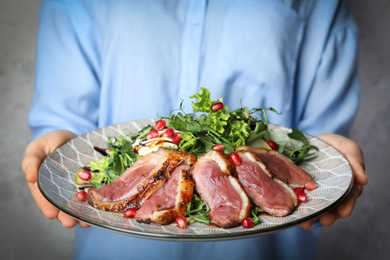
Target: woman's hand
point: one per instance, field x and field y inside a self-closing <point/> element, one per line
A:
<point x="354" y="155"/>
<point x="35" y="153"/>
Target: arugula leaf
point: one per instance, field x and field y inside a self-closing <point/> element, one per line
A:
<point x="119" y="157"/>
<point x="294" y="145"/>
<point x="298" y="135"/>
<point x="197" y="210"/>
<point x="258" y="132"/>
<point x="283" y="140"/>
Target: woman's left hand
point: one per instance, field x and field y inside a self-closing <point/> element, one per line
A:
<point x="354" y="155"/>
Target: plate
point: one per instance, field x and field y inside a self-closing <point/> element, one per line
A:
<point x="330" y="170"/>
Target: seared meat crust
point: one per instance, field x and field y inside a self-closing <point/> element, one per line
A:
<point x="184" y="187"/>
<point x="123" y="193"/>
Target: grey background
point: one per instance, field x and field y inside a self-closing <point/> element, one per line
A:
<point x="26" y="234"/>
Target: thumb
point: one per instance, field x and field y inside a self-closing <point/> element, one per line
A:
<point x="39" y="149"/>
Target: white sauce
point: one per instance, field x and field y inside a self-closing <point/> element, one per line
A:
<point x="144" y="147"/>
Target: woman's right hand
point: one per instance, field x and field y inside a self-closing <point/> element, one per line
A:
<point x="35" y="153"/>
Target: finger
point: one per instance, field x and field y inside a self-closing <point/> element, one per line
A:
<point x="355" y="157"/>
<point x="358" y="169"/>
<point x="308" y="224"/>
<point x="359" y="190"/>
<point x="83" y="224"/>
<point x="352" y="152"/>
<point x="345" y="209"/>
<point x="66" y="220"/>
<point x="45" y="206"/>
<point x="329" y="218"/>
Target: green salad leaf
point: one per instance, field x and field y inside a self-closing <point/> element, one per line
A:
<point x="204" y="102"/>
<point x="255" y="214"/>
<point x="230" y="128"/>
<point x="294" y="145"/>
<point x="197" y="211"/>
<point x="120" y="156"/>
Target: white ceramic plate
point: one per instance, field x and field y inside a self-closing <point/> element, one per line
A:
<point x="331" y="172"/>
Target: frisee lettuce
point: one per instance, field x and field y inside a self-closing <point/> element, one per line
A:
<point x="204" y="102"/>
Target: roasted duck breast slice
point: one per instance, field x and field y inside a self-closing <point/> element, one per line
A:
<point x="139" y="182"/>
<point x="282" y="167"/>
<point x="170" y="201"/>
<point x="269" y="193"/>
<point x="214" y="182"/>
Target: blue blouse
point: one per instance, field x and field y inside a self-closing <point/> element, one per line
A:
<point x="105" y="62"/>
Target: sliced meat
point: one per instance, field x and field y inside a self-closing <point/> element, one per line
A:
<point x="170" y="201"/>
<point x="282" y="167"/>
<point x="269" y="193"/>
<point x="139" y="182"/>
<point x="222" y="193"/>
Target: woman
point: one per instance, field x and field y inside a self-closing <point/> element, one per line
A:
<point x="100" y="63"/>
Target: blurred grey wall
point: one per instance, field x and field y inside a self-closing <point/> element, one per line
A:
<point x="26" y="234"/>
<point x="366" y="235"/>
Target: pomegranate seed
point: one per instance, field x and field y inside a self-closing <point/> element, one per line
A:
<point x="176" y="138"/>
<point x="152" y="134"/>
<point x="181" y="222"/>
<point x="82" y="195"/>
<point x="235" y="158"/>
<point x="129" y="213"/>
<point x="272" y="144"/>
<point x="216" y="106"/>
<point x="302" y="198"/>
<point x="218" y="147"/>
<point x="85" y="175"/>
<point x="160" y="125"/>
<point x="247" y="223"/>
<point x="169" y="133"/>
<point x="311" y="185"/>
<point x="299" y="191"/>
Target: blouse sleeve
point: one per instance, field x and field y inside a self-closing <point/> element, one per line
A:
<point x="328" y="100"/>
<point x="67" y="91"/>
